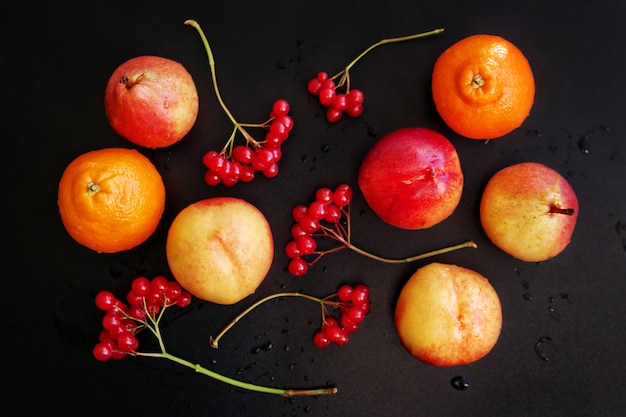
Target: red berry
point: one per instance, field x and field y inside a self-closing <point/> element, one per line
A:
<point x="158" y="284"/>
<point x="336" y="335"/>
<point x="285" y="120"/>
<point x="355" y="97"/>
<point x="317" y="210"/>
<point x="136" y="312"/>
<point x="207" y="157"/>
<point x="342" y="195"/>
<point x="279" y="129"/>
<point x="356" y="313"/>
<point x="306" y="245"/>
<point x="243" y="154"/>
<point x="112" y="322"/>
<point x="360" y="294"/>
<point x="309" y="224"/>
<point x="216" y="163"/>
<point x="344" y="293"/>
<point x="299" y="211"/>
<point x="173" y="291"/>
<point x="280" y="107"/>
<point x="292" y="250"/>
<point x="354" y="110"/>
<point x="322" y="76"/>
<point x="212" y="178"/>
<point x="325" y="195"/>
<point x="105" y="300"/>
<point x="246" y="173"/>
<point x="140" y="286"/>
<point x="134" y="299"/>
<point x="321" y="340"/>
<point x="298" y="267"/>
<point x="333" y="115"/>
<point x="296" y="231"/>
<point x="314" y="86"/>
<point x="328" y="83"/>
<point x="333" y="214"/>
<point x="184" y="299"/>
<point x="103" y="351"/>
<point x="271" y="170"/>
<point x="340" y="102"/>
<point x="326" y="96"/>
<point x="349" y="325"/>
<point x="127" y="342"/>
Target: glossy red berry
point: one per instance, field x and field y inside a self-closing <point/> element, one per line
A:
<point x="298" y="267"/>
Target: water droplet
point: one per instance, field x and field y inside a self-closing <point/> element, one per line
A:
<point x="460" y="382"/>
<point x="540" y="348"/>
<point x="585" y="144"/>
<point x="527" y="296"/>
<point x="264" y="347"/>
<point x="325" y="148"/>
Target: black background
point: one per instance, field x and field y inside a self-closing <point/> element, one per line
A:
<point x="56" y="58"/>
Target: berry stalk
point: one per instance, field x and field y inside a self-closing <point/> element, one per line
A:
<point x="207" y="47"/>
<point x="467" y="244"/>
<point x="215" y="340"/>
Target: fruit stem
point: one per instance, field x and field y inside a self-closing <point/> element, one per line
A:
<point x="209" y="52"/>
<point x="468" y="244"/>
<point x="559" y="210"/>
<point x="152" y="323"/>
<point x="215" y="340"/>
<point x="383" y="42"/>
<point x="245" y="385"/>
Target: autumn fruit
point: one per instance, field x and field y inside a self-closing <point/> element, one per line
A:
<point x="483" y="87"/>
<point x="151" y="101"/>
<point x="111" y="199"/>
<point x="529" y="211"/>
<point x="411" y="178"/>
<point x="220" y="249"/>
<point x="448" y="315"/>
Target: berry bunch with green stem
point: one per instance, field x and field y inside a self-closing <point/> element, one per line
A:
<point x="146" y="304"/>
<point x="240" y="162"/>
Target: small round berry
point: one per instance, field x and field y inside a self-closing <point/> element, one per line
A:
<point x="333" y="214"/>
<point x="306" y="245"/>
<point x="286" y="121"/>
<point x="355" y="97"/>
<point x="336" y="335"/>
<point x="326" y="96"/>
<point x="158" y="284"/>
<point x="344" y="293"/>
<point x="322" y="76"/>
<point x="348" y="324"/>
<point x="296" y="231"/>
<point x="309" y="224"/>
<point x="328" y="83"/>
<point x="216" y="163"/>
<point x="324" y="194"/>
<point x="299" y="211"/>
<point x="342" y="195"/>
<point x="333" y="115"/>
<point x="134" y="299"/>
<point x="354" y="111"/>
<point x="280" y="107"/>
<point x="298" y="267"/>
<point x="314" y="86"/>
<point x="360" y="294"/>
<point x="340" y="102"/>
<point x="321" y="340"/>
<point x="271" y="170"/>
<point x="207" y="157"/>
<point x="243" y="154"/>
<point x="105" y="300"/>
<point x="317" y="210"/>
<point x="103" y="351"/>
<point x="184" y="299"/>
<point x="246" y="173"/>
<point x="140" y="286"/>
<point x="173" y="291"/>
<point x="292" y="250"/>
<point x="212" y="178"/>
<point x="127" y="342"/>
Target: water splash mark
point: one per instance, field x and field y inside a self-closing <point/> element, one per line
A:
<point x="620" y="228"/>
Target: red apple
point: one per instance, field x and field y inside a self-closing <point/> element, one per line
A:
<point x="447" y="315"/>
<point x="411" y="178"/>
<point x="151" y="101"/>
<point x="529" y="211"/>
<point x="220" y="249"/>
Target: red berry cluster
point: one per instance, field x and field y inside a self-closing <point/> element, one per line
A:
<point x="325" y="89"/>
<point x="241" y="162"/>
<point x="122" y="321"/>
<point x="353" y="305"/>
<point x="320" y="218"/>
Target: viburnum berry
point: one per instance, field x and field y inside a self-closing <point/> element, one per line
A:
<point x="335" y="328"/>
<point x="236" y="163"/>
<point x="328" y="216"/>
<point x="148" y="300"/>
<point x="350" y="100"/>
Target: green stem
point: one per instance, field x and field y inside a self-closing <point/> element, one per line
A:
<point x="392" y="40"/>
<point x="209" y="52"/>
<point x="215" y="340"/>
<point x="251" y="387"/>
<point x="468" y="244"/>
